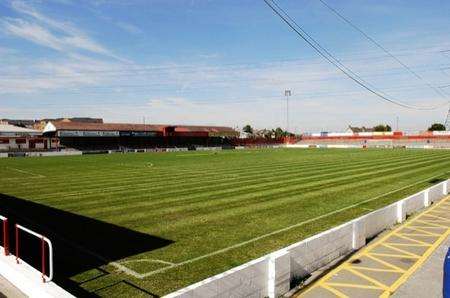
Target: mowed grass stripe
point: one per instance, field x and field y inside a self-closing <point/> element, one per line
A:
<point x="125" y="182"/>
<point x="99" y="175"/>
<point x="268" y="193"/>
<point x="248" y="201"/>
<point x="270" y="216"/>
<point x="184" y="196"/>
<point x="183" y="190"/>
<point x="120" y="175"/>
<point x="210" y="211"/>
<point x="188" y="186"/>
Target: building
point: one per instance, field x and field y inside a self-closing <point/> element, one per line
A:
<point x="115" y="136"/>
<point x="40" y="123"/>
<point x="26" y="123"/>
<point x="14" y="138"/>
<point x="354" y="129"/>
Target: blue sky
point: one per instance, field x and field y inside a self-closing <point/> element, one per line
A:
<point x="220" y="62"/>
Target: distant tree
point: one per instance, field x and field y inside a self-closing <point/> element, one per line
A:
<point x="382" y="127"/>
<point x="436" y="127"/>
<point x="279" y="132"/>
<point x="248" y="129"/>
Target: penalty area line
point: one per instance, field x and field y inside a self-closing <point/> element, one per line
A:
<point x="26" y="172"/>
<point x="174" y="265"/>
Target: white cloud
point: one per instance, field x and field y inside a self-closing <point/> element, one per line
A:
<point x="46" y="31"/>
<point x="203" y="93"/>
<point x="130" y="28"/>
<point x="32" y="32"/>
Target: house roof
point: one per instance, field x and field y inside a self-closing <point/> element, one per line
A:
<point x="62" y="125"/>
<point x="8" y="128"/>
<point x="360" y="129"/>
<point x="82" y="126"/>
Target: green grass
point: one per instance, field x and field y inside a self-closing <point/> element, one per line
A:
<point x="203" y="202"/>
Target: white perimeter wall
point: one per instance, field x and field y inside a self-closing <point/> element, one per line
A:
<point x="55" y="153"/>
<point x="270" y="275"/>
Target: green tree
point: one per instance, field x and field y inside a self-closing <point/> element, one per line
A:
<point x="279" y="132"/>
<point x="382" y="127"/>
<point x="437" y="127"/>
<point x="248" y="129"/>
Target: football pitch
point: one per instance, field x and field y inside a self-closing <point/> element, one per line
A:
<point x="151" y="223"/>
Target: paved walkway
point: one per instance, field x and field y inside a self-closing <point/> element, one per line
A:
<point x="432" y="272"/>
<point x="7" y="289"/>
<point x="379" y="269"/>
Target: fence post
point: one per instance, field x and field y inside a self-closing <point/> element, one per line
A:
<point x="444" y="188"/>
<point x="426" y="199"/>
<point x="6" y="237"/>
<point x="358" y="234"/>
<point x="17" y="244"/>
<point x="43" y="258"/>
<point x="400" y="216"/>
<point x="279" y="273"/>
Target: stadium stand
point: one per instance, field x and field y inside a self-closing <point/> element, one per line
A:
<point x="14" y="138"/>
<point x="376" y="140"/>
<point x="120" y="136"/>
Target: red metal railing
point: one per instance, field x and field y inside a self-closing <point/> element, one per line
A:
<point x="5" y="235"/>
<point x="45" y="277"/>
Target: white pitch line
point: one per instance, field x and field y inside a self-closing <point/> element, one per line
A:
<point x="141" y="276"/>
<point x="194" y="154"/>
<point x="146" y="260"/>
<point x="26" y="172"/>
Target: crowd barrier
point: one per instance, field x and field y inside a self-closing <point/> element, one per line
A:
<point x="32" y="282"/>
<point x="272" y="275"/>
<point x="54" y="153"/>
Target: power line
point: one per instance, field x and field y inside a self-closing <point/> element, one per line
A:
<point x="331" y="59"/>
<point x="140" y="70"/>
<point x="342" y="17"/>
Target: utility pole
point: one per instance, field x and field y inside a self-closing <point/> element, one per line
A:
<point x="396" y="127"/>
<point x="287" y="93"/>
<point x="447" y="120"/>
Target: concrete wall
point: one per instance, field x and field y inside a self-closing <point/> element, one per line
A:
<point x="379" y="220"/>
<point x="55" y="153"/>
<point x="435" y="192"/>
<point x="271" y="275"/>
<point x="248" y="280"/>
<point x="313" y="253"/>
<point x="414" y="203"/>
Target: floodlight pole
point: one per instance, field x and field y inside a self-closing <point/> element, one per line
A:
<point x="287" y="93"/>
<point x="447" y="120"/>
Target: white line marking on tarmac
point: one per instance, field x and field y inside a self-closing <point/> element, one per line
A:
<point x="144" y="275"/>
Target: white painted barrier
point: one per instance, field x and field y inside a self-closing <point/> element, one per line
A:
<point x="414" y="203"/>
<point x="54" y="153"/>
<point x="271" y="275"/>
<point x="379" y="220"/>
<point x="3" y="155"/>
<point x="208" y="148"/>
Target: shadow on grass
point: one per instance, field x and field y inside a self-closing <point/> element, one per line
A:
<point x="80" y="244"/>
<point x="436" y="180"/>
